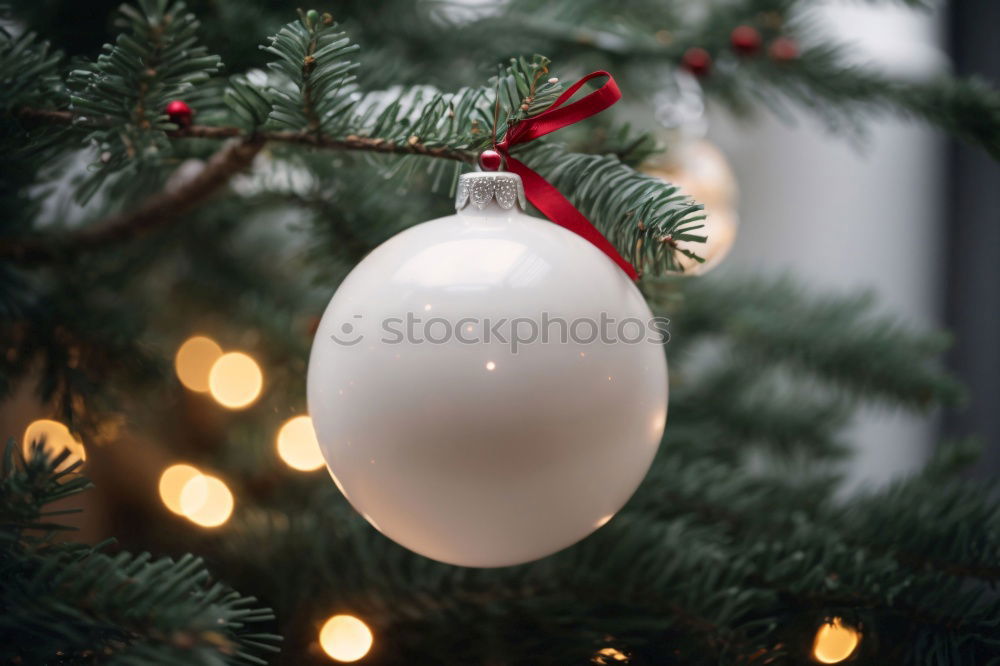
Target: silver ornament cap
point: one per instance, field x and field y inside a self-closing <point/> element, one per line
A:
<point x="479" y="188"/>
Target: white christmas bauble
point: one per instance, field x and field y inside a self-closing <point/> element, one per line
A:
<point x="467" y="437"/>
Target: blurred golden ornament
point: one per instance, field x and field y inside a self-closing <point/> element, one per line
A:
<point x="235" y="380"/>
<point x="55" y="437"/>
<point x="720" y="230"/>
<point x="297" y="445"/>
<point x="835" y="642"/>
<point x="345" y="638"/>
<point x="194" y="361"/>
<point x="701" y="171"/>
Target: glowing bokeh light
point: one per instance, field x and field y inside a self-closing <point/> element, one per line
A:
<point x="297" y="444"/>
<point x="835" y="642"/>
<point x="194" y="361"/>
<point x="206" y="501"/>
<point x="345" y="638"/>
<point x="235" y="380"/>
<point x="609" y="655"/>
<point x="56" y="437"/>
<point x="193" y="495"/>
<point x="172" y="482"/>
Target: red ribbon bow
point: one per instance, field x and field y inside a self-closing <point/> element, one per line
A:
<point x="539" y="191"/>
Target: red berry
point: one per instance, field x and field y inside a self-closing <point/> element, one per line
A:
<point x="784" y="49"/>
<point x="745" y="40"/>
<point x="490" y="160"/>
<point x="697" y="61"/>
<point x="179" y="113"/>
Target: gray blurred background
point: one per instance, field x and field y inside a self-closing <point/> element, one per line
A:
<point x="873" y="216"/>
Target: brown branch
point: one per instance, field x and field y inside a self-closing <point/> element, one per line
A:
<point x="350" y="142"/>
<point x="164" y="207"/>
<point x="157" y="211"/>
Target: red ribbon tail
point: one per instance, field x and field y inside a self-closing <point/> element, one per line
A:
<point x="558" y="209"/>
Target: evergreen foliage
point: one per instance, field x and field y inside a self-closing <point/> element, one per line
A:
<point x="69" y="603"/>
<point x="124" y="92"/>
<point x="312" y="57"/>
<point x="738" y="545"/>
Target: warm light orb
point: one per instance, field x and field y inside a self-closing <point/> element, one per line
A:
<point x="57" y="437"/>
<point x="206" y="501"/>
<point x="835" y="642"/>
<point x="345" y="638"/>
<point x="172" y="483"/>
<point x="194" y="361"/>
<point x="235" y="380"/>
<point x="297" y="444"/>
<point x="193" y="495"/>
<point x="609" y="655"/>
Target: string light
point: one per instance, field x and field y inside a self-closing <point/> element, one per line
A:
<point x="56" y="437"/>
<point x="235" y="380"/>
<point x="835" y="642"/>
<point x="345" y="638"/>
<point x="194" y="361"/>
<point x="297" y="444"/>
<point x="194" y="494"/>
<point x="609" y="655"/>
<point x="205" y="500"/>
<point x="172" y="482"/>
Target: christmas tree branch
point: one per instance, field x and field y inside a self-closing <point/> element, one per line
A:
<point x="816" y="74"/>
<point x="154" y="60"/>
<point x="863" y="525"/>
<point x="771" y="322"/>
<point x="312" y="101"/>
<point x="809" y="567"/>
<point x="165" y="207"/>
<point x="349" y="142"/>
<point x="636" y="569"/>
<point x="647" y="230"/>
<point x="71" y="603"/>
<point x="157" y="211"/>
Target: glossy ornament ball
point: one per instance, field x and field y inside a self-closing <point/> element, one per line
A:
<point x="179" y="113"/>
<point x="783" y="49"/>
<point x="445" y="415"/>
<point x="745" y="40"/>
<point x="697" y="60"/>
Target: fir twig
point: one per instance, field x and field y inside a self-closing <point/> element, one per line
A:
<point x="69" y="603"/>
<point x="350" y="142"/>
<point x="160" y="209"/>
